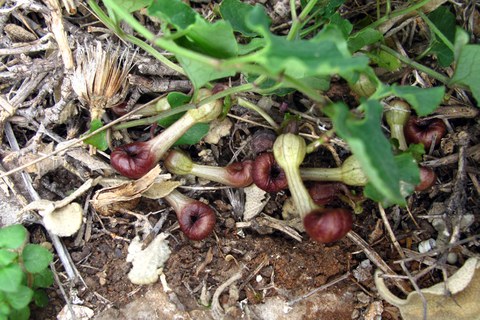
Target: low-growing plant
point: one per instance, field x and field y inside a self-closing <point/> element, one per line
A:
<point x="319" y="46"/>
<point x="24" y="272"/>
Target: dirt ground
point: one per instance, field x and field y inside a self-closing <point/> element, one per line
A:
<point x="281" y="273"/>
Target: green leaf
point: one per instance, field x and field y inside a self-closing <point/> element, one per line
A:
<point x="325" y="54"/>
<point x="342" y="24"/>
<point x="13" y="237"/>
<point x="212" y="39"/>
<point x="4" y="309"/>
<point x="423" y="100"/>
<point x="200" y="74"/>
<point x="177" y="99"/>
<point x="21" y="314"/>
<point x="409" y="175"/>
<point x="98" y="140"/>
<point x="195" y="133"/>
<point x="468" y="69"/>
<point x="133" y="5"/>
<point x="174" y="12"/>
<point x="445" y="22"/>
<point x="363" y="38"/>
<point x="369" y="145"/>
<point x="215" y="39"/>
<point x="325" y="8"/>
<point x="253" y="45"/>
<point x="385" y="60"/>
<point x="43" y="279"/>
<point x="7" y="257"/>
<point x="461" y="39"/>
<point x="20" y="298"/>
<point x="236" y="12"/>
<point x="416" y="150"/>
<point x="40" y="298"/>
<point x="36" y="258"/>
<point x="10" y="278"/>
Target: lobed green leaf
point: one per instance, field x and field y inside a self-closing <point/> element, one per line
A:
<point x="369" y="145"/>
<point x="7" y="257"/>
<point x="20" y="298"/>
<point x="13" y="237"/>
<point x="235" y="12"/>
<point x="363" y="38"/>
<point x="20" y="314"/>
<point x="423" y="100"/>
<point x="10" y="278"/>
<point x="409" y="176"/>
<point x="445" y="22"/>
<point x="36" y="258"/>
<point x="325" y="54"/>
<point x="133" y="5"/>
<point x="43" y="279"/>
<point x="40" y="297"/>
<point x="467" y="71"/>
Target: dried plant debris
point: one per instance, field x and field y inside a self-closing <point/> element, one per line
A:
<point x="454" y="299"/>
<point x="100" y="78"/>
<point x="124" y="195"/>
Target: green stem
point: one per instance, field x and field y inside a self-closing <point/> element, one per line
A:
<point x="435" y="30"/>
<point x="247" y="104"/>
<point x="321" y="174"/>
<point x="300" y="86"/>
<point x="298" y="22"/>
<point x="227" y="92"/>
<point x="293" y="10"/>
<point x="395" y="14"/>
<point x="162" y="43"/>
<point x="145" y="46"/>
<point x="154" y="119"/>
<point x="432" y="73"/>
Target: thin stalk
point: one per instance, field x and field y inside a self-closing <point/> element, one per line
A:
<point x="301" y="198"/>
<point x="247" y="104"/>
<point x="143" y="45"/>
<point x="164" y="44"/>
<point x="324" y="174"/>
<point x="396" y="13"/>
<point x="154" y="119"/>
<point x="298" y="22"/>
<point x="311" y="28"/>
<point x="435" y="30"/>
<point x="293" y="10"/>
<point x="300" y="86"/>
<point x="227" y="92"/>
<point x="432" y="73"/>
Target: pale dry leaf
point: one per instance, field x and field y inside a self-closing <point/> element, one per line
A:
<point x="68" y="113"/>
<point x="218" y="130"/>
<point x="108" y="201"/>
<point x="159" y="190"/>
<point x="255" y="201"/>
<point x="92" y="163"/>
<point x="45" y="166"/>
<point x="454" y="300"/>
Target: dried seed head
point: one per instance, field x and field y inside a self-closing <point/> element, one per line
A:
<point x="100" y="78"/>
